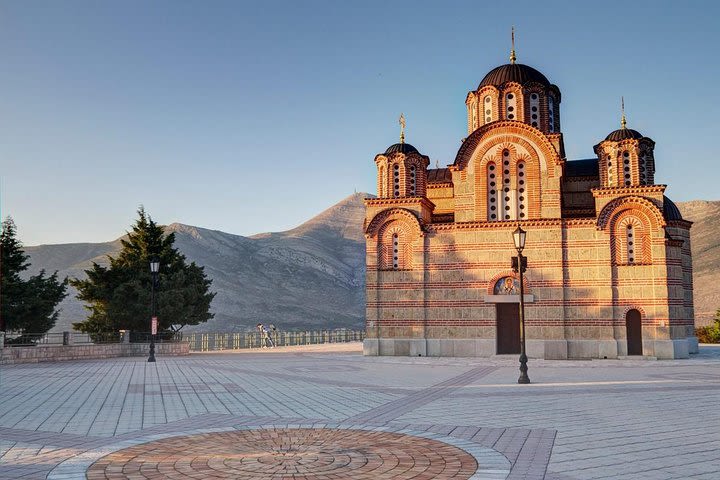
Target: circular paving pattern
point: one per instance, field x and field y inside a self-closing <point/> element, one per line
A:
<point x="288" y="453"/>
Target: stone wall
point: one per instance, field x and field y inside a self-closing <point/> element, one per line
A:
<point x="55" y="353"/>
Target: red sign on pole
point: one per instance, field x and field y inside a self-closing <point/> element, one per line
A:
<point x="154" y="326"/>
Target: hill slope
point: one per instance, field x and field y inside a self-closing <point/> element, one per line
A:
<point x="705" y="246"/>
<point x="309" y="277"/>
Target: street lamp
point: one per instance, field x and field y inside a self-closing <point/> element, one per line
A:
<point x="154" y="269"/>
<point x="519" y="265"/>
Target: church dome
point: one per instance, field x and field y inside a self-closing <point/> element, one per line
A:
<point x="670" y="210"/>
<point x="513" y="72"/>
<point x="401" y="148"/>
<point x="624" y="134"/>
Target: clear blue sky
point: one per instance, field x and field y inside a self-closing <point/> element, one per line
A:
<point x="254" y="116"/>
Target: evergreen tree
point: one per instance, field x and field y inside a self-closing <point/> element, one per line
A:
<point x="119" y="297"/>
<point x="27" y="306"/>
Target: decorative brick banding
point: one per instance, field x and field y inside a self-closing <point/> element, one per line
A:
<point x="288" y="453"/>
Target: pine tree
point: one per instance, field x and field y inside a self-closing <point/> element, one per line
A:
<point x="26" y="306"/>
<point x="119" y="297"/>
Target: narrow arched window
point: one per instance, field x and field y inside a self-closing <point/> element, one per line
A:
<point x="610" y="171"/>
<point x="413" y="182"/>
<point x="535" y="110"/>
<point x="508" y="207"/>
<point x="551" y="113"/>
<point x="521" y="196"/>
<point x="487" y="107"/>
<point x="643" y="169"/>
<point x="631" y="243"/>
<point x="626" y="167"/>
<point x="396" y="180"/>
<point x="510" y="106"/>
<point x="382" y="182"/>
<point x="492" y="192"/>
<point x="396" y="251"/>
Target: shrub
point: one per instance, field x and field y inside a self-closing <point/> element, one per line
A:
<point x="710" y="334"/>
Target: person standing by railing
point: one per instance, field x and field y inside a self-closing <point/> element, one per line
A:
<point x="265" y="338"/>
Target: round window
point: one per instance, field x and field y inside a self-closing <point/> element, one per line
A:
<point x="510" y="96"/>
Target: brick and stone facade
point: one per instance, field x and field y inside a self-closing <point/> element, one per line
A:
<point x="609" y="266"/>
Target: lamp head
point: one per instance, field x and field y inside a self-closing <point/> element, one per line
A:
<point x="154" y="265"/>
<point x="519" y="238"/>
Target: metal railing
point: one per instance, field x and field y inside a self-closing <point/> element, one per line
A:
<point x="216" y="341"/>
<point x="199" y="342"/>
<point x="77" y="338"/>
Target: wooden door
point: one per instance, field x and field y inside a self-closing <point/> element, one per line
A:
<point x="633" y="329"/>
<point x="508" y="328"/>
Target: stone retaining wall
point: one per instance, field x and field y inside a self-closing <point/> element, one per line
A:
<point x="56" y="353"/>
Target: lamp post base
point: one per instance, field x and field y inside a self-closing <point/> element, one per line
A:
<point x="152" y="352"/>
<point x="524" y="379"/>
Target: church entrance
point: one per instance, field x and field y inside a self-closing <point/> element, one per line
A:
<point x="633" y="330"/>
<point x="508" y="327"/>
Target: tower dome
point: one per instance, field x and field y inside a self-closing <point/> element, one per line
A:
<point x="624" y="134"/>
<point x="405" y="148"/>
<point x="513" y="72"/>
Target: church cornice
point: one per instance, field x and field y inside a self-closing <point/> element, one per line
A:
<point x="384" y="202"/>
<point x="510" y="224"/>
<point x="631" y="190"/>
<point x="440" y="185"/>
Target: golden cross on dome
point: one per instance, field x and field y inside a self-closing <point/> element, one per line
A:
<point x="402" y="128"/>
<point x="623" y="121"/>
<point x="512" y="52"/>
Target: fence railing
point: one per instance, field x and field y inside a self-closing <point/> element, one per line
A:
<point x="60" y="338"/>
<point x="199" y="342"/>
<point x="208" y="342"/>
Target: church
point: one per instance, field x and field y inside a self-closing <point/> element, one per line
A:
<point x="609" y="269"/>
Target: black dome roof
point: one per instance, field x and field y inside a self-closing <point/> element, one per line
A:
<point x="624" y="134"/>
<point x="401" y="148"/>
<point x="670" y="210"/>
<point x="513" y="72"/>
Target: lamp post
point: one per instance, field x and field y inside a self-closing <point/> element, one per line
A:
<point x="519" y="240"/>
<point x="154" y="269"/>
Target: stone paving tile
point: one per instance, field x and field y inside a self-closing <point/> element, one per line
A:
<point x="631" y="419"/>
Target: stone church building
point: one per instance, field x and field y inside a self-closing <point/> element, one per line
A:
<point x="609" y="268"/>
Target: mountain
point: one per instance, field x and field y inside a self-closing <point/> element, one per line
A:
<point x="313" y="276"/>
<point x="705" y="246"/>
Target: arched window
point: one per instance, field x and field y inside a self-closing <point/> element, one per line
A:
<point x="487" y="107"/>
<point x="382" y="182"/>
<point x="492" y="192"/>
<point x="551" y="113"/>
<point x="396" y="251"/>
<point x="630" y="243"/>
<point x="610" y="172"/>
<point x="643" y="167"/>
<point x="521" y="196"/>
<point x="626" y="167"/>
<point x="396" y="180"/>
<point x="510" y="106"/>
<point x="535" y="110"/>
<point x="412" y="180"/>
<point x="508" y="201"/>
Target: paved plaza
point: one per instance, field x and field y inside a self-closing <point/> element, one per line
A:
<point x="328" y="413"/>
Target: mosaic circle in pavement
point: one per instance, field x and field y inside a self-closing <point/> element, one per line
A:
<point x="288" y="453"/>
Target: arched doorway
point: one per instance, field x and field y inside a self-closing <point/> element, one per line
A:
<point x="633" y="330"/>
